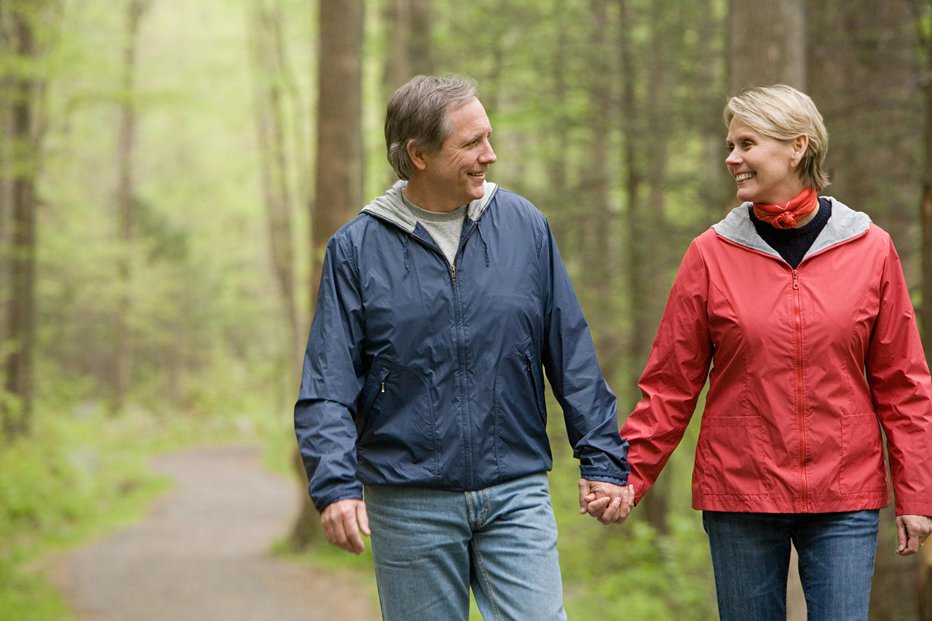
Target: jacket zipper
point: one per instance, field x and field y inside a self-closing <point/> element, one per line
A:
<point x="800" y="391"/>
<point x="461" y="346"/>
<point x="461" y="357"/>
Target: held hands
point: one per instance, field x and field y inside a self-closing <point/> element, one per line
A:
<point x="344" y="522"/>
<point x="607" y="502"/>
<point x="912" y="532"/>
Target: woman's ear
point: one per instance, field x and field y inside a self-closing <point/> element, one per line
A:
<point x="800" y="144"/>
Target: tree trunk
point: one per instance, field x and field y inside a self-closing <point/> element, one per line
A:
<point x="125" y="210"/>
<point x="779" y="55"/>
<point x="408" y="24"/>
<point x="924" y="584"/>
<point x="597" y="291"/>
<point x="925" y="213"/>
<point x="21" y="307"/>
<point x="924" y="577"/>
<point x="7" y="87"/>
<point x="339" y="162"/>
<point x="269" y="74"/>
<point x="409" y="48"/>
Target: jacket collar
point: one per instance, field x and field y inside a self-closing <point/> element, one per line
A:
<point x="390" y="206"/>
<point x="845" y="224"/>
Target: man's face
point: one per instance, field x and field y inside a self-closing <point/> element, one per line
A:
<point x="454" y="175"/>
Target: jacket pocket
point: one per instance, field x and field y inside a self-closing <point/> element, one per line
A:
<point x="730" y="455"/>
<point x="519" y="413"/>
<point x="396" y="423"/>
<point x="861" y="468"/>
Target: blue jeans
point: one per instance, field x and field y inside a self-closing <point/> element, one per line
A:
<point x="751" y="558"/>
<point x="430" y="546"/>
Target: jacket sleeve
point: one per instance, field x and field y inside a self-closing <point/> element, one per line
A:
<point x="902" y="392"/>
<point x="676" y="371"/>
<point x="331" y="380"/>
<point x="589" y="407"/>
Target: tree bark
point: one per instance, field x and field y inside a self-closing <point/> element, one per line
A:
<point x="6" y="186"/>
<point x="409" y="47"/>
<point x="597" y="252"/>
<point x="269" y="77"/>
<point x="339" y="163"/>
<point x="126" y="210"/>
<point x="924" y="584"/>
<point x="778" y="57"/>
<point x="21" y="307"/>
<point x="924" y="10"/>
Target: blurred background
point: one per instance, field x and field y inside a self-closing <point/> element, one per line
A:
<point x="170" y="172"/>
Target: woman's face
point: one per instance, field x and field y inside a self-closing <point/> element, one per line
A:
<point x="764" y="168"/>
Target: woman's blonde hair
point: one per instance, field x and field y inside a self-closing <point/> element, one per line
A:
<point x="783" y="113"/>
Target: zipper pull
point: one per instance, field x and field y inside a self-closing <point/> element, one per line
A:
<point x="453" y="272"/>
<point x="383" y="387"/>
<point x="795" y="280"/>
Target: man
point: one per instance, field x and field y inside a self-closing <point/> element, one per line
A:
<point x="423" y="389"/>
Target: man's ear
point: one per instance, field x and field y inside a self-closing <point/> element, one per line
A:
<point x="417" y="156"/>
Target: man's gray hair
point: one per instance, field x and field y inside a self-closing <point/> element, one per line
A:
<point x="417" y="112"/>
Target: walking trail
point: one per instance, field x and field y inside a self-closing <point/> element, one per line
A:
<point x="202" y="554"/>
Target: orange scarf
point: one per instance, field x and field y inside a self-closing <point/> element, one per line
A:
<point x="788" y="216"/>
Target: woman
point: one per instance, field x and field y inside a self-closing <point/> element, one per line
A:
<point x="799" y="306"/>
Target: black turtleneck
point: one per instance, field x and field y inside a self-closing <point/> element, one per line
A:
<point x="792" y="244"/>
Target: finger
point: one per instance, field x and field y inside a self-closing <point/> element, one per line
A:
<point x="597" y="507"/>
<point x="333" y="530"/>
<point x="362" y="516"/>
<point x="912" y="541"/>
<point x="612" y="513"/>
<point x="353" y="538"/>
<point x="584" y="490"/>
<point x="901" y="536"/>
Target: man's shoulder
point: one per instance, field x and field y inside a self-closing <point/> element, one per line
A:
<point x="356" y="229"/>
<point x="514" y="204"/>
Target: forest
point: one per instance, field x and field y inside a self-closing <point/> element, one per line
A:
<point x="170" y="173"/>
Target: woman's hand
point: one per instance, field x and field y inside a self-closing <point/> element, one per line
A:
<point x="607" y="502"/>
<point x="912" y="532"/>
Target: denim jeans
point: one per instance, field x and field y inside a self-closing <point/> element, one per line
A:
<point x="751" y="557"/>
<point x="431" y="546"/>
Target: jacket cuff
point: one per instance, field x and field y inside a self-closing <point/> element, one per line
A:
<point x="910" y="507"/>
<point x="322" y="501"/>
<point x="618" y="478"/>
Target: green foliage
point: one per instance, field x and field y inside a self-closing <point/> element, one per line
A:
<point x="209" y="356"/>
<point x="84" y="472"/>
<point x="74" y="477"/>
<point x="26" y="597"/>
<point x="630" y="571"/>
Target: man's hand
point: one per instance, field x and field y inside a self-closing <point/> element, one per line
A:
<point x="911" y="532"/>
<point x="344" y="522"/>
<point x="609" y="503"/>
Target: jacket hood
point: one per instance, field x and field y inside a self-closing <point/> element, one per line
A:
<point x="390" y="206"/>
<point x="844" y="224"/>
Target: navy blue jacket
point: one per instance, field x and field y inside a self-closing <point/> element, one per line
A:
<point x="422" y="373"/>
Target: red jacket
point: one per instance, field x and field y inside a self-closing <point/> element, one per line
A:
<point x="807" y="366"/>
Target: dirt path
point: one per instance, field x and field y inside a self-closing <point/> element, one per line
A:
<point x="202" y="554"/>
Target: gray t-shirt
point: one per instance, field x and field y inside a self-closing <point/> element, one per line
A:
<point x="445" y="227"/>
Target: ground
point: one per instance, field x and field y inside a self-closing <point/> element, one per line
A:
<point x="202" y="554"/>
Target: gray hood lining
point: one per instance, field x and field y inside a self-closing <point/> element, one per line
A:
<point x="391" y="207"/>
<point x="844" y="224"/>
